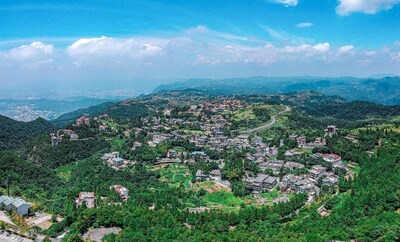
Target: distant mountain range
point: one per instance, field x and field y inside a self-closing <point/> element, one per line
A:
<point x="31" y="109"/>
<point x="383" y="90"/>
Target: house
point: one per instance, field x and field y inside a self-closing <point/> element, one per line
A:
<point x="122" y="191"/>
<point x="330" y="179"/>
<point x="136" y="145"/>
<point x="17" y="205"/>
<point x="82" y="120"/>
<point x="88" y="197"/>
<point x="117" y="161"/>
<point x="216" y="173"/>
<point x="54" y="139"/>
<point x="274" y="165"/>
<point x="283" y="199"/>
<point x="172" y="154"/>
<point x="200" y="175"/>
<point x="299" y="184"/>
<point x="20" y="207"/>
<point x="200" y="154"/>
<point x="316" y="171"/>
<point x="330" y="130"/>
<point x="293" y="165"/>
<point x="102" y="127"/>
<point x="332" y="158"/>
<point x="301" y="141"/>
<point x="262" y="182"/>
<point x="110" y="156"/>
<point x="74" y="137"/>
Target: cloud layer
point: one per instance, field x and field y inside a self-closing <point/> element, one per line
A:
<point x="346" y="7"/>
<point x="195" y="52"/>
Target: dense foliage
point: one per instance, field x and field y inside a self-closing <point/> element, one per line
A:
<point x="14" y="134"/>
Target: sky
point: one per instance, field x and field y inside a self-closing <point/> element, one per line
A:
<point x="140" y="44"/>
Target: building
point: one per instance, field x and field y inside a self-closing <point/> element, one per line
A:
<point x="293" y="165"/>
<point x="16" y="205"/>
<point x="136" y="145"/>
<point x="301" y="141"/>
<point x="172" y="154"/>
<point x="330" y="130"/>
<point x="110" y="156"/>
<point x="88" y="197"/>
<point x="332" y="158"/>
<point x="122" y="191"/>
<point x="216" y="173"/>
<point x="54" y="139"/>
<point x="200" y="175"/>
<point x="117" y="161"/>
<point x="82" y="120"/>
<point x="74" y="137"/>
<point x="262" y="182"/>
<point x="316" y="171"/>
<point x="274" y="165"/>
<point x="330" y="179"/>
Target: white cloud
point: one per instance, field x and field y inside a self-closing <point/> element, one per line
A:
<point x="32" y="51"/>
<point x="287" y="3"/>
<point x="346" y="7"/>
<point x="196" y="52"/>
<point x="370" y="53"/>
<point x="346" y="49"/>
<point x="135" y="48"/>
<point x="308" y="49"/>
<point x="304" y="25"/>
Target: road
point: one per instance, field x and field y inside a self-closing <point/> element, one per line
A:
<point x="5" y="218"/>
<point x="13" y="238"/>
<point x="268" y="125"/>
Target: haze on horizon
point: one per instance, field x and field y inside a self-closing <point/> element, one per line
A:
<point x="140" y="44"/>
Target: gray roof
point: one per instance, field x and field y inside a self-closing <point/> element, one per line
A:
<point x="270" y="180"/>
<point x="3" y="198"/>
<point x="19" y="202"/>
<point x="260" y="178"/>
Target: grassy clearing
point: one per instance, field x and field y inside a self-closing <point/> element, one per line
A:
<point x="223" y="198"/>
<point x="175" y="175"/>
<point x="64" y="172"/>
<point x="117" y="143"/>
<point x="244" y="114"/>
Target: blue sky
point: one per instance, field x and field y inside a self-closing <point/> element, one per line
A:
<point x="127" y="42"/>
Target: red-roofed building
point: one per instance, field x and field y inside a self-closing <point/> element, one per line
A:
<point x="88" y="197"/>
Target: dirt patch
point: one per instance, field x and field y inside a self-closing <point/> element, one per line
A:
<point x="210" y="186"/>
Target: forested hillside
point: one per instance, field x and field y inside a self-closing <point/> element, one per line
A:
<point x="14" y="134"/>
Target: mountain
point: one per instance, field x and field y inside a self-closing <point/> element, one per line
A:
<point x="14" y="134"/>
<point x="47" y="108"/>
<point x="384" y="90"/>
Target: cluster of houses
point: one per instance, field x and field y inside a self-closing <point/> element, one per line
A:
<point x="16" y="205"/>
<point x="58" y="137"/>
<point x="207" y="130"/>
<point x="89" y="198"/>
<point x="82" y="121"/>
<point x="114" y="160"/>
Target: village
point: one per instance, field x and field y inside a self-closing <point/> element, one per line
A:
<point x="207" y="127"/>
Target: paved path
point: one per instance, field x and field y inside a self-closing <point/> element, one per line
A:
<point x="12" y="238"/>
<point x="268" y="125"/>
<point x="5" y="218"/>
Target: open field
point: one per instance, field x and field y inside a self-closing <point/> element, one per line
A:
<point x="175" y="175"/>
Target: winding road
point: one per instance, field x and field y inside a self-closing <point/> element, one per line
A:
<point x="268" y="125"/>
